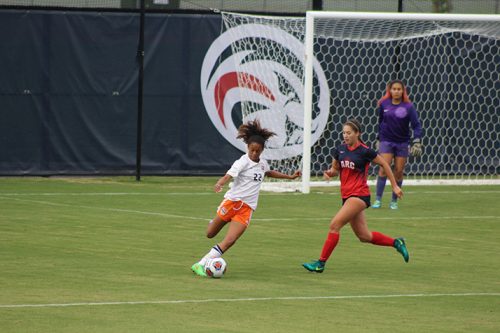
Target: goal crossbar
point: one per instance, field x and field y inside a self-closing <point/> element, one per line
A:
<point x="402" y="16"/>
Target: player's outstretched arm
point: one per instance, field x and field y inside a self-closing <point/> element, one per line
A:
<point x="277" y="174"/>
<point x="221" y="182"/>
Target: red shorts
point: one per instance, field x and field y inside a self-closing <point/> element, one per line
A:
<point x="237" y="211"/>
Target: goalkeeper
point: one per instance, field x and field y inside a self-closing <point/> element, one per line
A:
<point x="396" y="114"/>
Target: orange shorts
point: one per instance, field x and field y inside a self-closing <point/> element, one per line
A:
<point x="237" y="211"/>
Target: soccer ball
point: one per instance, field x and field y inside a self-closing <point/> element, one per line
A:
<point x="215" y="267"/>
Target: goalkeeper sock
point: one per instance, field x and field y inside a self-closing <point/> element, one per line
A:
<point x="394" y="196"/>
<point x="380" y="187"/>
<point x="215" y="252"/>
<point x="330" y="243"/>
<point x="381" y="239"/>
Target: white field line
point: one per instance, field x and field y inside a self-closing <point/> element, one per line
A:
<point x="383" y="218"/>
<point x="205" y="218"/>
<point x="249" y="299"/>
<point x="103" y="193"/>
<point x="118" y="210"/>
<point x="210" y="193"/>
<point x="424" y="192"/>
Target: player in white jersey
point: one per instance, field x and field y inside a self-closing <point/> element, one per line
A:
<point x="241" y="200"/>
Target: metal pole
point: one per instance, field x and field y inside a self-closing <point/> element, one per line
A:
<point x="308" y="91"/>
<point x="397" y="50"/>
<point x="140" y="58"/>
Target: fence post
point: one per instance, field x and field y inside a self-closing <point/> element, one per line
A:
<point x="140" y="56"/>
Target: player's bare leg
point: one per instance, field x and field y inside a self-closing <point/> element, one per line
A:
<point x="236" y="229"/>
<point x="360" y="228"/>
<point x="399" y="167"/>
<point x="214" y="226"/>
<point x="381" y="180"/>
<point x="351" y="208"/>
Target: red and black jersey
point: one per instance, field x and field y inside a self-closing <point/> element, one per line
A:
<point x="354" y="163"/>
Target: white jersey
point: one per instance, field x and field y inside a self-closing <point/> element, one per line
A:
<point x="247" y="178"/>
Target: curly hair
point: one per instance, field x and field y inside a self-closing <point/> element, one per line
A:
<point x="252" y="131"/>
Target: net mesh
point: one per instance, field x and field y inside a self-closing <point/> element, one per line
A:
<point x="270" y="73"/>
<point x="385" y="31"/>
<point x="451" y="69"/>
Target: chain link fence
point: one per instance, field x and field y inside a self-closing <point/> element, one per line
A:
<point x="273" y="6"/>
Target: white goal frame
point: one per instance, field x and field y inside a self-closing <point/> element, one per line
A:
<point x="308" y="84"/>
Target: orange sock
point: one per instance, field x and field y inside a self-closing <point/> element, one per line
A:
<point x="330" y="243"/>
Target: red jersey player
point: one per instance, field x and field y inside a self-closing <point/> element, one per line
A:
<point x="351" y="162"/>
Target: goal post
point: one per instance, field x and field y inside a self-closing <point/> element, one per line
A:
<point x="331" y="66"/>
<point x="480" y="33"/>
<point x="308" y="93"/>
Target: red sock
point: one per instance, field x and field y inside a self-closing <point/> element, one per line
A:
<point x="381" y="239"/>
<point x="330" y="243"/>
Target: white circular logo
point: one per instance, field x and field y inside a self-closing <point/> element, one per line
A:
<point x="263" y="79"/>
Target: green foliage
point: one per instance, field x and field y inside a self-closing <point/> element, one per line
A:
<point x="96" y="241"/>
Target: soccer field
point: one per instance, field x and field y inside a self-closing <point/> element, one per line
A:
<point x="114" y="255"/>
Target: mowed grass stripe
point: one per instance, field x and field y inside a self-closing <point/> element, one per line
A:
<point x="131" y="211"/>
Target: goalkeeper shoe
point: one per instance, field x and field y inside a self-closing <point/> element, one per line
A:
<point x="399" y="244"/>
<point x="317" y="266"/>
<point x="198" y="269"/>
<point x="393" y="205"/>
<point x="377" y="204"/>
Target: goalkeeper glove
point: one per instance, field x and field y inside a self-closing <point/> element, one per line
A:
<point x="416" y="148"/>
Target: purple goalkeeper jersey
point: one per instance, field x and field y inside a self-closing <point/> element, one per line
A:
<point x="394" y="122"/>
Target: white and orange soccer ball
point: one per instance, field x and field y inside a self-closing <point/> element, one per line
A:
<point x="216" y="267"/>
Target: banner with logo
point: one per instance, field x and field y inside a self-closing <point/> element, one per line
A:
<point x="68" y="94"/>
<point x="69" y="86"/>
<point x="264" y="71"/>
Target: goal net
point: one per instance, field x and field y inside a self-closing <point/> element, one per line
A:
<point x="304" y="77"/>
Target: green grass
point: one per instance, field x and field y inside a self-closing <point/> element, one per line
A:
<point x="95" y="241"/>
